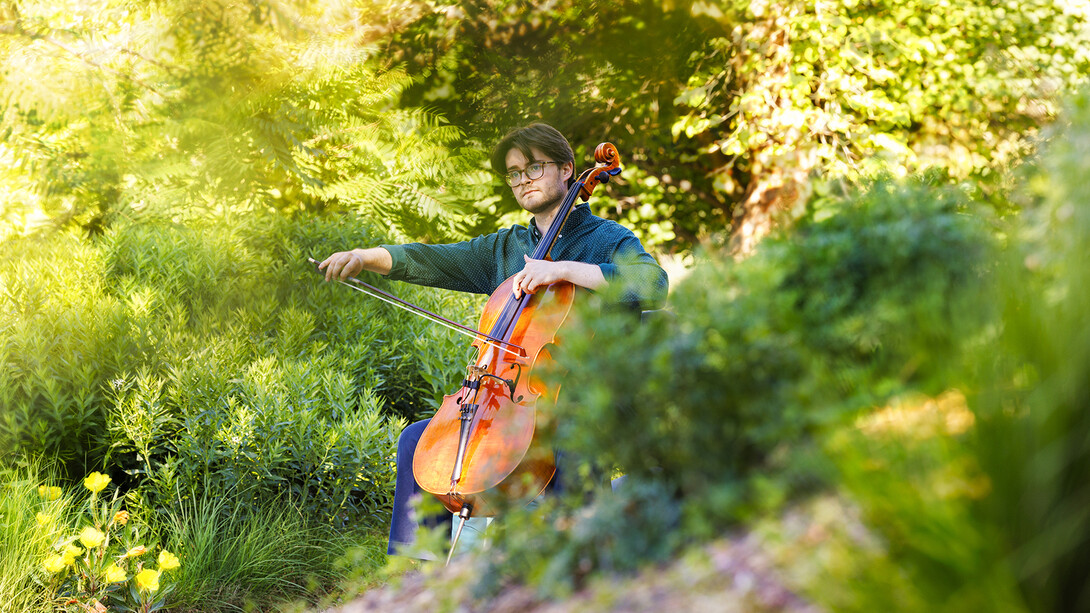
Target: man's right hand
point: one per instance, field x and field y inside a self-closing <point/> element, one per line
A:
<point x="344" y="264"/>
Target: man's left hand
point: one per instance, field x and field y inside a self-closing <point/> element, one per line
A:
<point x="539" y="273"/>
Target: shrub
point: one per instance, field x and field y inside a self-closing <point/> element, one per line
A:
<point x="61" y="337"/>
<point x="719" y="412"/>
<point x="846" y="312"/>
<point x="978" y="495"/>
<point x="213" y="356"/>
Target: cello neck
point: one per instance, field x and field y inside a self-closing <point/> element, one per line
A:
<point x="541" y="252"/>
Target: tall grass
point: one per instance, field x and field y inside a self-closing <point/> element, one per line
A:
<point x="233" y="556"/>
<point x="24" y="540"/>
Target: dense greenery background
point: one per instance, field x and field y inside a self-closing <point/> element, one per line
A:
<point x="878" y="204"/>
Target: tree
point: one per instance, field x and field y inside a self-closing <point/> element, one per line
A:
<point x="732" y="113"/>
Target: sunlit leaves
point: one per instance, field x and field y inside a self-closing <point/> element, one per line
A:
<point x="846" y="89"/>
<point x="192" y="109"/>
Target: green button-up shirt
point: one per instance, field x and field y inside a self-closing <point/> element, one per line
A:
<point x="482" y="264"/>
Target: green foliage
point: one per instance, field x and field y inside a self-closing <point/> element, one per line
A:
<point x="719" y="413"/>
<point x="226" y="559"/>
<point x="917" y="487"/>
<point x="186" y="109"/>
<point x="595" y="72"/>
<point x="172" y="331"/>
<point x="840" y="316"/>
<point x="235" y="556"/>
<point x="727" y="113"/>
<point x="220" y="360"/>
<point x="980" y="499"/>
<point x="1033" y="434"/>
<point x="25" y="537"/>
<point x="793" y="92"/>
<point x="55" y="319"/>
<point x="882" y="86"/>
<point x="616" y="533"/>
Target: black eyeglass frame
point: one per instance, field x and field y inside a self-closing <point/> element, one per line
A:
<point x="514" y="177"/>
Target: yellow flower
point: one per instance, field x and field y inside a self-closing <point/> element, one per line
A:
<point x="96" y="482"/>
<point x="44" y="519"/>
<point x="91" y="537"/>
<point x="49" y="492"/>
<point x="121" y="517"/>
<point x="70" y="554"/>
<point x="168" y="561"/>
<point x="135" y="552"/>
<point x="115" y="574"/>
<point x="54" y="564"/>
<point x="147" y="580"/>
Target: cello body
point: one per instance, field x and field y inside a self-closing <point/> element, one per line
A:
<point x="508" y="462"/>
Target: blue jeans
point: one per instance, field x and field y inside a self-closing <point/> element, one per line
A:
<point x="403" y="524"/>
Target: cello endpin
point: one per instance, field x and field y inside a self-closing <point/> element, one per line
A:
<point x="463" y="515"/>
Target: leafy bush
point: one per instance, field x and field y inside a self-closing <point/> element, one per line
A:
<point x="846" y="312"/>
<point x="718" y="413"/>
<point x="61" y="337"/>
<point x="978" y="495"/>
<point x="213" y="356"/>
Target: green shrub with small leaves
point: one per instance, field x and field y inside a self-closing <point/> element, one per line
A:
<point x="717" y="413"/>
<point x="214" y="356"/>
<point x="975" y="498"/>
<point x="849" y="310"/>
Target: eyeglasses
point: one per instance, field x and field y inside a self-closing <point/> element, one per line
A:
<point x="531" y="172"/>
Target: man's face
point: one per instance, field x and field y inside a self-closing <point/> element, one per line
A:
<point x="541" y="194"/>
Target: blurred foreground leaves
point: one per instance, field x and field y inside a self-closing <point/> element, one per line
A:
<point x="902" y="361"/>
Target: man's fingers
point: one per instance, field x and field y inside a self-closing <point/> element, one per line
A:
<point x="336" y="265"/>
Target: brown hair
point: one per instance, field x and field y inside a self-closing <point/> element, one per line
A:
<point x="544" y="137"/>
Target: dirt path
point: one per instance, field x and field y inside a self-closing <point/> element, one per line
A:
<point x="726" y="576"/>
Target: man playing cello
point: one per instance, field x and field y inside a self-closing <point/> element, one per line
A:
<point x="539" y="166"/>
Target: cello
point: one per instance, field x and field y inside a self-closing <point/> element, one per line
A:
<point x="481" y="449"/>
